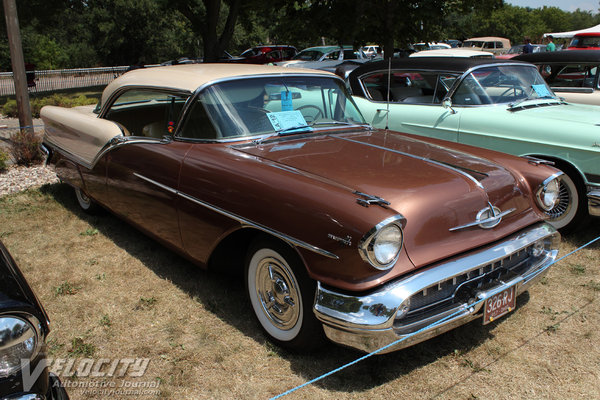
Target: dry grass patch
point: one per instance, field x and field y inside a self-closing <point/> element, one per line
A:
<point x="113" y="293"/>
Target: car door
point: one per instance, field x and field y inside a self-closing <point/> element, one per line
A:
<point x="415" y="104"/>
<point x="143" y="168"/>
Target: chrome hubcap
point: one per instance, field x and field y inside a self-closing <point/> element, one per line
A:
<point x="278" y="293"/>
<point x="564" y="204"/>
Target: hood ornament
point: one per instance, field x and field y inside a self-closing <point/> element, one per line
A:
<point x="487" y="218"/>
<point x="366" y="200"/>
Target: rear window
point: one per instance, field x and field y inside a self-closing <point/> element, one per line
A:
<point x="575" y="75"/>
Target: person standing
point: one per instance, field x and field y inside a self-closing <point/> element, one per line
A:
<point x="528" y="48"/>
<point x="550" y="46"/>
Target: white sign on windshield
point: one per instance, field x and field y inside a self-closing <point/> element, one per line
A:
<point x="541" y="90"/>
<point x="285" y="120"/>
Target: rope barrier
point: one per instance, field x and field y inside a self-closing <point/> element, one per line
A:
<point x="21" y="127"/>
<point x="432" y="325"/>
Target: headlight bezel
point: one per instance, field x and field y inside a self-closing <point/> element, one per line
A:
<point x="368" y="241"/>
<point x="543" y="189"/>
<point x="34" y="331"/>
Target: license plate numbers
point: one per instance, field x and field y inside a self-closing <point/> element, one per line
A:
<point x="499" y="304"/>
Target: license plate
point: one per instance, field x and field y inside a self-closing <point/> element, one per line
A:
<point x="499" y="304"/>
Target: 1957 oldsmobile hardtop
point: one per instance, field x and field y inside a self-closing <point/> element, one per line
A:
<point x="368" y="234"/>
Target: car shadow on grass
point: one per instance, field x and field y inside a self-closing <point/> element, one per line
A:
<point x="225" y="297"/>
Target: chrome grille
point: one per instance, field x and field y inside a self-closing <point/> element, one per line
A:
<point x="458" y="289"/>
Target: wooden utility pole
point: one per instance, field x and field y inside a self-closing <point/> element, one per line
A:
<point x="18" y="65"/>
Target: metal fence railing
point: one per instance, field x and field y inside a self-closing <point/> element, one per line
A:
<point x="51" y="80"/>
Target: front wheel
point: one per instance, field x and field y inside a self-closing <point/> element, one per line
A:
<point x="282" y="295"/>
<point x="571" y="207"/>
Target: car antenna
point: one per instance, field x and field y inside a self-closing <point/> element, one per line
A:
<point x="387" y="114"/>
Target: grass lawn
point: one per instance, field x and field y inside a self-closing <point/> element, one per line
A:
<point x="111" y="293"/>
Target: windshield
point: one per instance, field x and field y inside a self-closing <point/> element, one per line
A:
<point x="500" y="85"/>
<point x="516" y="49"/>
<point x="251" y="107"/>
<point x="308" y="55"/>
<point x="585" y="41"/>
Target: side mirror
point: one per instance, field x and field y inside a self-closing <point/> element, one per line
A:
<point x="447" y="104"/>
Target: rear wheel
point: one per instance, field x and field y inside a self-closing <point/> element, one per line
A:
<point x="570" y="210"/>
<point x="85" y="202"/>
<point x="282" y="295"/>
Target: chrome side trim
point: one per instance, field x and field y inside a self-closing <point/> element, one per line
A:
<point x="439" y="164"/>
<point x="241" y="220"/>
<point x="117" y="141"/>
<point x="366" y="321"/>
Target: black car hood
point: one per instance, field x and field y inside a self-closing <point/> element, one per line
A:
<point x="15" y="293"/>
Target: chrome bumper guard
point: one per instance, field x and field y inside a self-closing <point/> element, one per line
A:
<point x="593" y="196"/>
<point x="373" y="320"/>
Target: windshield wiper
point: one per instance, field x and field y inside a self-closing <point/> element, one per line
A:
<point x="284" y="132"/>
<point x="519" y="102"/>
<point x="322" y="123"/>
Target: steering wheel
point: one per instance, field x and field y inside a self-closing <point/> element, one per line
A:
<point x="518" y="92"/>
<point x="312" y="115"/>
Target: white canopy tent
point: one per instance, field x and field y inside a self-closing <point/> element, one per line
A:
<point x="573" y="33"/>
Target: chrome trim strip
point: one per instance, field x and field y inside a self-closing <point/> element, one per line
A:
<point x="439" y="164"/>
<point x="243" y="221"/>
<point x="371" y="326"/>
<point x="551" y="177"/>
<point x="160" y="185"/>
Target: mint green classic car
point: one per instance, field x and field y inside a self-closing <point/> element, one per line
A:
<point x="497" y="104"/>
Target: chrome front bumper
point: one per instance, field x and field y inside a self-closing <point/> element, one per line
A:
<point x="593" y="196"/>
<point x="371" y="321"/>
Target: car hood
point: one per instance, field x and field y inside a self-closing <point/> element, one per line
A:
<point x="15" y="293"/>
<point x="435" y="188"/>
<point x="565" y="112"/>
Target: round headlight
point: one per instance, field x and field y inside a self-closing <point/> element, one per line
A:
<point x="548" y="195"/>
<point x="381" y="245"/>
<point x="18" y="340"/>
<point x="387" y="244"/>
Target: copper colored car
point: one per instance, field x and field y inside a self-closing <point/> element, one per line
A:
<point x="365" y="235"/>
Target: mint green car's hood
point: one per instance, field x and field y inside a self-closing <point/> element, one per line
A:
<point x="542" y="128"/>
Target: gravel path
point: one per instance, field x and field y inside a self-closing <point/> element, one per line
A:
<point x="17" y="179"/>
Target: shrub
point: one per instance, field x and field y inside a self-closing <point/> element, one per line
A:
<point x="10" y="107"/>
<point x="3" y="160"/>
<point x="25" y="148"/>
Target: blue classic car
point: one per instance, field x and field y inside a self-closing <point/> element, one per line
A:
<point x="497" y="104"/>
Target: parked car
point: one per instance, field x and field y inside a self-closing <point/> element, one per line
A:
<point x="371" y="50"/>
<point x="518" y="49"/>
<point x="585" y="41"/>
<point x="454" y="52"/>
<point x="266" y="54"/>
<point x="324" y="53"/>
<point x="454" y="43"/>
<point x="497" y="104"/>
<point x="496" y="45"/>
<point x="24" y="326"/>
<point x="571" y="74"/>
<point x="430" y="46"/>
<point x="180" y="60"/>
<point x="368" y="235"/>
